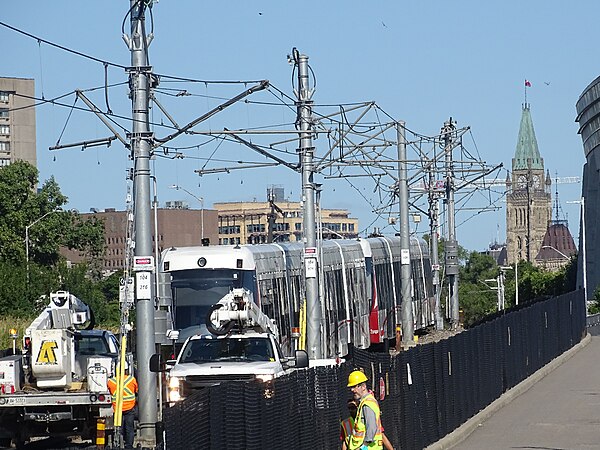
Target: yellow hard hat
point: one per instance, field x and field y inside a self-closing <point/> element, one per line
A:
<point x="356" y="377"/>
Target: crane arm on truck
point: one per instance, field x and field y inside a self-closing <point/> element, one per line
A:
<point x="63" y="311"/>
<point x="238" y="308"/>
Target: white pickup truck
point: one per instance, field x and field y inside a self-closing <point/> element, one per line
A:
<point x="249" y="352"/>
<point x="206" y="360"/>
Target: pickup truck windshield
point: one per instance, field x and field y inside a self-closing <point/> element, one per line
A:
<point x="230" y="349"/>
<point x="92" y="345"/>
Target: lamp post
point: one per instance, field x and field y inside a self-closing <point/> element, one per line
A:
<point x="556" y="250"/>
<point x="27" y="238"/>
<point x="200" y="199"/>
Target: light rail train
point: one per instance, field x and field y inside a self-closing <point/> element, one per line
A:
<point x="359" y="282"/>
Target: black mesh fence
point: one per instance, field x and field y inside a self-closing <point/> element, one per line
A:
<point x="424" y="393"/>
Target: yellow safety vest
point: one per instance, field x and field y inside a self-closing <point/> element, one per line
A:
<point x="130" y="387"/>
<point x="358" y="433"/>
<point x="347" y="426"/>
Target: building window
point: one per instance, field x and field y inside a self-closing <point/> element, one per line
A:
<point x="298" y="226"/>
<point x="3" y="113"/>
<point x="256" y="228"/>
<point x="4" y="130"/>
<point x="350" y="227"/>
<point x="5" y="147"/>
<point x="4" y="96"/>
<point x="4" y="162"/>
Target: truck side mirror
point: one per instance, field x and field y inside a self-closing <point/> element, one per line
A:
<point x="156" y="364"/>
<point x="301" y="359"/>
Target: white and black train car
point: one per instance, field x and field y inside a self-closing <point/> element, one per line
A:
<point x="359" y="283"/>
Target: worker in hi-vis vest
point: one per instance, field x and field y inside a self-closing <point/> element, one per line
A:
<point x="347" y="425"/>
<point x="366" y="433"/>
<point x="130" y="389"/>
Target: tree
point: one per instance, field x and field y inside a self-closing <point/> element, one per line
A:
<point x="33" y="223"/>
<point x="477" y="298"/>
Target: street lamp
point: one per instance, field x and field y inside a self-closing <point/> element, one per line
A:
<point x="200" y="199"/>
<point x="556" y="250"/>
<point x="27" y="237"/>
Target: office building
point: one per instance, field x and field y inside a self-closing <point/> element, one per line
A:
<point x="17" y="121"/>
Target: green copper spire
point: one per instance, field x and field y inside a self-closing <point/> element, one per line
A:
<point x="527" y="147"/>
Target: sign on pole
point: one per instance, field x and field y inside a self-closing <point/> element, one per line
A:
<point x="126" y="291"/>
<point x="142" y="286"/>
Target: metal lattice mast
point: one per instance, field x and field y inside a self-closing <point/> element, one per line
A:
<point x="433" y="243"/>
<point x="140" y="141"/>
<point x="451" y="249"/>
<point x="304" y="123"/>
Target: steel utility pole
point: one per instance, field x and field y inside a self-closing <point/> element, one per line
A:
<point x="407" y="320"/>
<point x="140" y="75"/>
<point x="304" y="123"/>
<point x="433" y="242"/>
<point x="451" y="249"/>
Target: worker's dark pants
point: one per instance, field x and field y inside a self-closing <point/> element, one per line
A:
<point x="128" y="426"/>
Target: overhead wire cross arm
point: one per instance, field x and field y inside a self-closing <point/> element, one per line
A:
<point x="259" y="87"/>
<point x="101" y="116"/>
<point x="256" y="148"/>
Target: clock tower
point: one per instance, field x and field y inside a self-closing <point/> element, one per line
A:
<point x="528" y="199"/>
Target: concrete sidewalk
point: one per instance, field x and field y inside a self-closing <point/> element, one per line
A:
<point x="556" y="408"/>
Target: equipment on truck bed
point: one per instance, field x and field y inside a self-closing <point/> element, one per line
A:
<point x="237" y="308"/>
<point x="57" y="385"/>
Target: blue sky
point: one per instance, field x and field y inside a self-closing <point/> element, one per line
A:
<point x="421" y="61"/>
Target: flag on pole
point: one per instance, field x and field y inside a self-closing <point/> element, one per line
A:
<point x="527" y="83"/>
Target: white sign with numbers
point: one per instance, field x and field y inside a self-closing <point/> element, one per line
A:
<point x="142" y="286"/>
<point x="310" y="265"/>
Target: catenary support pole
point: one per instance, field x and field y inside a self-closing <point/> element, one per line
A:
<point x="433" y="243"/>
<point x="407" y="321"/>
<point x="140" y="139"/>
<point x="451" y="248"/>
<point x="304" y="123"/>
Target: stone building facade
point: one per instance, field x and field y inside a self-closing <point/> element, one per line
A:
<point x="528" y="200"/>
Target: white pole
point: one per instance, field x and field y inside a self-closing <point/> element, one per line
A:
<point x="584" y="250"/>
<point x="202" y="216"/>
<point x="517" y="282"/>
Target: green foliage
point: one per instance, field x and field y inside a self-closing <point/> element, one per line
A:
<point x="477" y="300"/>
<point x="594" y="308"/>
<point x="476" y="296"/>
<point x="33" y="228"/>
<point x="77" y="282"/>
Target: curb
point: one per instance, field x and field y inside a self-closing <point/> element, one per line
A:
<point x="463" y="431"/>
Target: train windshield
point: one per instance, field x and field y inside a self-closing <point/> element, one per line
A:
<point x="195" y="291"/>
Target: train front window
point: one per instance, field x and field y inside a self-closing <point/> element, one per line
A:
<point x="195" y="291"/>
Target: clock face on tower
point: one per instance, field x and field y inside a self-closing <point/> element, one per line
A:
<point x="522" y="181"/>
<point x="536" y="181"/>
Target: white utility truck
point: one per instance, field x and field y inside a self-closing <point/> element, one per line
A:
<point x="57" y="386"/>
<point x="241" y="345"/>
